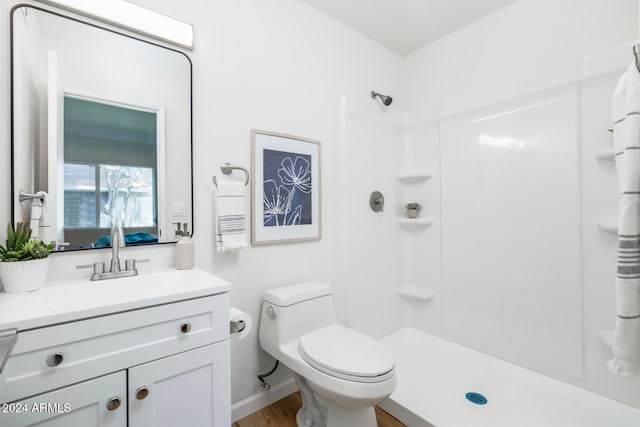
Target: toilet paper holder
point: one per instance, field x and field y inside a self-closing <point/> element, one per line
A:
<point x="236" y="326"/>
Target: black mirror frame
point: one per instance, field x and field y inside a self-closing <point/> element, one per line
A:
<point x="11" y="77"/>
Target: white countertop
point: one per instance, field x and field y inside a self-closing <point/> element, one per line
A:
<point x="66" y="301"/>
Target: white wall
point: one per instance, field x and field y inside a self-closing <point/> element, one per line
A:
<point x="274" y="65"/>
<point x="28" y="121"/>
<point x="5" y="119"/>
<point x="523" y="48"/>
<point x="504" y="75"/>
<point x="281" y="66"/>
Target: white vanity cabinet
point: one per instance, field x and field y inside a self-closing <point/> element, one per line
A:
<point x="174" y="391"/>
<point x="165" y="364"/>
<point x="97" y="402"/>
<point x="181" y="390"/>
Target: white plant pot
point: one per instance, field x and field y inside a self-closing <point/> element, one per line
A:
<point x="24" y="276"/>
<point x="412" y="213"/>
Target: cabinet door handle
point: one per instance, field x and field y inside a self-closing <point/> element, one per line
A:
<point x="142" y="393"/>
<point x="185" y="327"/>
<point x="55" y="359"/>
<point x="113" y="403"/>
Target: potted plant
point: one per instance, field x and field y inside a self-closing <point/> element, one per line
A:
<point x="23" y="262"/>
<point x="412" y="209"/>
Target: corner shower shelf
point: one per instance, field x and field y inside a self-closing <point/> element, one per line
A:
<point x="609" y="225"/>
<point x="608" y="154"/>
<point x="415" y="222"/>
<point x="413" y="176"/>
<point x="606" y="337"/>
<point x="416" y="293"/>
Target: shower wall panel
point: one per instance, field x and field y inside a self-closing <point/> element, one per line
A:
<point x="511" y="231"/>
<point x="368" y="241"/>
<point x="419" y="248"/>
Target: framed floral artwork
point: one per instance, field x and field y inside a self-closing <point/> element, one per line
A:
<point x="285" y="188"/>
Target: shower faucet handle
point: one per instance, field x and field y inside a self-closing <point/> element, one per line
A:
<point x="376" y="201"/>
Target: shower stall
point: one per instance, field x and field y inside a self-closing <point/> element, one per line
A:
<point x="513" y="251"/>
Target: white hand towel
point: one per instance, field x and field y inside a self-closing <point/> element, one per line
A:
<point x="231" y="229"/>
<point x="38" y="220"/>
<point x="626" y="136"/>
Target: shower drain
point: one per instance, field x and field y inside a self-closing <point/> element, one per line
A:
<point x="476" y="398"/>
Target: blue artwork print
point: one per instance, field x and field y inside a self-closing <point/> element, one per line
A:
<point x="286" y="188"/>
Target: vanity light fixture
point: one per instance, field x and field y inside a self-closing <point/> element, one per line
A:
<point x="132" y="17"/>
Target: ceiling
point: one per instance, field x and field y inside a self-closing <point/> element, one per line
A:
<point x="406" y="25"/>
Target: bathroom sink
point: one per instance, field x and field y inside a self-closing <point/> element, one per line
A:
<point x="61" y="302"/>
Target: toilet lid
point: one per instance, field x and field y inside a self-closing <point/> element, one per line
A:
<point x="347" y="354"/>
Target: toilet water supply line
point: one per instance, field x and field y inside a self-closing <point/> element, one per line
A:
<point x="263" y="384"/>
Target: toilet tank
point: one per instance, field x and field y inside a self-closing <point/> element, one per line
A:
<point x="291" y="311"/>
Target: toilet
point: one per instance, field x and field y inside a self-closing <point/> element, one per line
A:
<point x="341" y="373"/>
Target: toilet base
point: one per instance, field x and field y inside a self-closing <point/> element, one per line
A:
<point x="340" y="416"/>
<point x="312" y="414"/>
<point x="319" y="412"/>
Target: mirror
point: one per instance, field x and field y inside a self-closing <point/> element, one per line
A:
<point x="101" y="133"/>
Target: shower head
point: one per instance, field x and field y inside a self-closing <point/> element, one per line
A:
<point x="386" y="100"/>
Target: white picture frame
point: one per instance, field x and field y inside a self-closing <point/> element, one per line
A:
<point x="285" y="188"/>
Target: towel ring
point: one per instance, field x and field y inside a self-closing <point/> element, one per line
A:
<point x="227" y="168"/>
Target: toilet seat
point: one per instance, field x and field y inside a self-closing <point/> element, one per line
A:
<point x="347" y="354"/>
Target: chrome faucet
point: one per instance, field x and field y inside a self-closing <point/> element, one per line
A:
<point x="117" y="241"/>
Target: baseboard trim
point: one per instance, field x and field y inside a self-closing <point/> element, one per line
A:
<point x="256" y="402"/>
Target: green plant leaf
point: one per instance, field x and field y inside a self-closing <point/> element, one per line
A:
<point x="23" y="234"/>
<point x="11" y="237"/>
<point x="20" y="247"/>
<point x="38" y="250"/>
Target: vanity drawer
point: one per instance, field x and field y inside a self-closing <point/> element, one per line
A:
<point x="97" y="346"/>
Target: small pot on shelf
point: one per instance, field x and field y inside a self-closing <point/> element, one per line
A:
<point x="412" y="209"/>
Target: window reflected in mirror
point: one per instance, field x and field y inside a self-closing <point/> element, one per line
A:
<point x="110" y="171"/>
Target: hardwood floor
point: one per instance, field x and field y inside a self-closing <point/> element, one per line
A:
<point x="283" y="414"/>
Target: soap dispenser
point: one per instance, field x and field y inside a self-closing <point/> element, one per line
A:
<point x="184" y="248"/>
